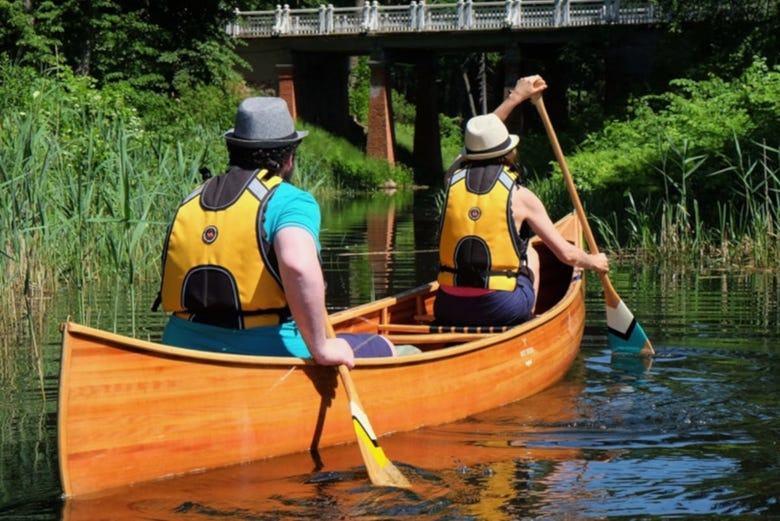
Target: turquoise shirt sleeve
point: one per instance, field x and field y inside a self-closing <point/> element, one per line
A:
<point x="291" y="206"/>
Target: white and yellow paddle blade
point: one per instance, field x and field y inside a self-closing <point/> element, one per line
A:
<point x="381" y="471"/>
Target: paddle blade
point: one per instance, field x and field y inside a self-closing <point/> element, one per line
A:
<point x="381" y="470"/>
<point x="625" y="334"/>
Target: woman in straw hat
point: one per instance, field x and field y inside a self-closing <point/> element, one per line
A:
<point x="487" y="272"/>
<point x="241" y="270"/>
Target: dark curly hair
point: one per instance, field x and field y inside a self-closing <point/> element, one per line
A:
<point x="271" y="159"/>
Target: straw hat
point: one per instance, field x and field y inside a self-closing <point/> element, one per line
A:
<point x="263" y="122"/>
<point x="487" y="137"/>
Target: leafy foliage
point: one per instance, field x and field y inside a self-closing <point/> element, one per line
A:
<point x="344" y="167"/>
<point x="683" y="11"/>
<point x="702" y="118"/>
<point x="30" y="34"/>
<point x="161" y="46"/>
<point x="696" y="167"/>
<point x="719" y="36"/>
<point x="358" y="93"/>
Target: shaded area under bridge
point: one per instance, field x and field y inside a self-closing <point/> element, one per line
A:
<point x="306" y="54"/>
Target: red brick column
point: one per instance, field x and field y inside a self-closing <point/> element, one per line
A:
<point x="285" y="78"/>
<point x="380" y="141"/>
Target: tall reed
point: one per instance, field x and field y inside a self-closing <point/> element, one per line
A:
<point x="88" y="186"/>
<point x="86" y="193"/>
<point x="671" y="229"/>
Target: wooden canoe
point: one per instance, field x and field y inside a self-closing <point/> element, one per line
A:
<point x="521" y="433"/>
<point x="132" y="411"/>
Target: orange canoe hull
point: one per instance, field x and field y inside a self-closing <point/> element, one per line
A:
<point x="133" y="411"/>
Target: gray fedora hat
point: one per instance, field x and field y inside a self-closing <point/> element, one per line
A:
<point x="264" y="122"/>
<point x="487" y="137"/>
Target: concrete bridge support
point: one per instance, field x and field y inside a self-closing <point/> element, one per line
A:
<point x="320" y="88"/>
<point x="320" y="84"/>
<point x="317" y="89"/>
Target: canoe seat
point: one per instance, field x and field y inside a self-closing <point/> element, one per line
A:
<point x="418" y="339"/>
<point x="424" y="335"/>
<point x="436" y="329"/>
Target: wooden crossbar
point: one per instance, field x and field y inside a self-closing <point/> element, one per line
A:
<point x="434" y="338"/>
<point x="430" y="329"/>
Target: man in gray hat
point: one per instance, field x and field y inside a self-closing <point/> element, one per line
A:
<point x="241" y="268"/>
<point x="487" y="273"/>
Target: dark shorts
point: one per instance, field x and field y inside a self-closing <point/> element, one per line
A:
<point x="498" y="308"/>
<point x="367" y="345"/>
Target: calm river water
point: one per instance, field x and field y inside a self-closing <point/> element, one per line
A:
<point x="693" y="436"/>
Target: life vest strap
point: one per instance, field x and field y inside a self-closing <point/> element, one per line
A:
<point x="238" y="319"/>
<point x="524" y="271"/>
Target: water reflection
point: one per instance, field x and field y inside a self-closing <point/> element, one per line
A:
<point x="694" y="436"/>
<point x="601" y="444"/>
<point x="378" y="246"/>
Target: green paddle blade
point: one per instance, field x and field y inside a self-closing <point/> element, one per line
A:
<point x="625" y="334"/>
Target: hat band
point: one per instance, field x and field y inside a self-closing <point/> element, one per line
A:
<point x="283" y="138"/>
<point x="497" y="148"/>
<point x="289" y="136"/>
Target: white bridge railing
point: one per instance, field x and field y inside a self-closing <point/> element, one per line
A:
<point x="373" y="18"/>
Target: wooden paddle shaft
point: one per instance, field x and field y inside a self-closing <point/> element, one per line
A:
<point x="610" y="294"/>
<point x="381" y="471"/>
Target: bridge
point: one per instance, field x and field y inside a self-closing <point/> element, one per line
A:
<point x="422" y="18"/>
<point x="306" y="53"/>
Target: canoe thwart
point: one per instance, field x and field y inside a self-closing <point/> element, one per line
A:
<point x="423" y="328"/>
<point x="418" y="339"/>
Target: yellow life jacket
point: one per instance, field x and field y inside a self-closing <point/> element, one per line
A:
<point x="479" y="245"/>
<point x="218" y="267"/>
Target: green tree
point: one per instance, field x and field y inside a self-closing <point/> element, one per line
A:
<point x="161" y="46"/>
<point x="30" y="31"/>
<point x="721" y="36"/>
